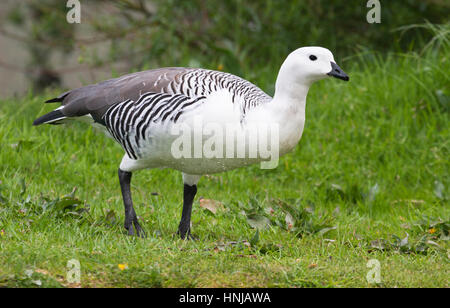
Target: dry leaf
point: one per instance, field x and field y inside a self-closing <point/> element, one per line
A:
<point x="211" y="205"/>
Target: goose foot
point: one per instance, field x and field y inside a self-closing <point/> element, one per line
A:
<point x="186" y="235"/>
<point x="139" y="230"/>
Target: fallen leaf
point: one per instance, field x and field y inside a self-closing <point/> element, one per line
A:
<point x="219" y="248"/>
<point x="211" y="205"/>
<point x="223" y="246"/>
<point x="326" y="230"/>
<point x="433" y="243"/>
<point x="42" y="271"/>
<point x="439" y="190"/>
<point x="378" y="244"/>
<point x="29" y="273"/>
<point x="269" y="210"/>
<point x="258" y="221"/>
<point x="289" y="221"/>
<point x="404" y="241"/>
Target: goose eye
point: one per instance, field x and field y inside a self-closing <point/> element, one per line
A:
<point x="312" y="57"/>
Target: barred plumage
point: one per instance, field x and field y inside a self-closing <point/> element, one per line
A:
<point x="204" y="82"/>
<point x="129" y="121"/>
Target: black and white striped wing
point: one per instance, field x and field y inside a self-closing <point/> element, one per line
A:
<point x="129" y="121"/>
<point x="201" y="82"/>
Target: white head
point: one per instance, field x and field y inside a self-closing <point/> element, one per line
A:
<point x="306" y="65"/>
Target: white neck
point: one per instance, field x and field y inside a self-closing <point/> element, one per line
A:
<point x="290" y="88"/>
<point x="287" y="109"/>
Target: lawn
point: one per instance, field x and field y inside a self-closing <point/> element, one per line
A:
<point x="368" y="180"/>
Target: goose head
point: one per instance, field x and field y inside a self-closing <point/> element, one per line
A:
<point x="306" y="65"/>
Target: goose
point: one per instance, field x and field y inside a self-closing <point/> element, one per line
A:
<point x="142" y="110"/>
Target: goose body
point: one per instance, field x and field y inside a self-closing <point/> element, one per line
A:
<point x="197" y="121"/>
<point x="154" y="118"/>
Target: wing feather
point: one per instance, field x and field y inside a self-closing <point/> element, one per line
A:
<point x="96" y="99"/>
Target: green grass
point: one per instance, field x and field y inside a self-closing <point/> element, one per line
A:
<point x="371" y="169"/>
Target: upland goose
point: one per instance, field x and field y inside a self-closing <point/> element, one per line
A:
<point x="196" y="121"/>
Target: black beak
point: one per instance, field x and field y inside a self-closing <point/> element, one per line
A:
<point x="337" y="72"/>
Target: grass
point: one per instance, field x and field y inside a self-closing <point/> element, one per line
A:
<point x="369" y="180"/>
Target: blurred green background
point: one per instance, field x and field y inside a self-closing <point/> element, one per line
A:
<point x="241" y="37"/>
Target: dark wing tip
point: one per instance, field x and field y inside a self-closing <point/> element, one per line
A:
<point x="49" y="118"/>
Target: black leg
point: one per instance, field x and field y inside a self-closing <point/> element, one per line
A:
<point x="184" y="229"/>
<point x="130" y="214"/>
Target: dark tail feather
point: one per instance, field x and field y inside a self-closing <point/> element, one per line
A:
<point x="58" y="99"/>
<point x="54" y="100"/>
<point x="50" y="118"/>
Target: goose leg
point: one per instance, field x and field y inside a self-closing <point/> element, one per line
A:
<point x="184" y="229"/>
<point x="130" y="214"/>
<point x="190" y="189"/>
